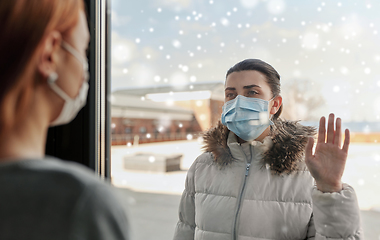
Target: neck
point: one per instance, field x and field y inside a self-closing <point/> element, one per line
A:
<point x="25" y="142"/>
<point x="263" y="135"/>
<point x="25" y="137"/>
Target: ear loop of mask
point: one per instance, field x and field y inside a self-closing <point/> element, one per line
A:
<point x="75" y="53"/>
<point x="52" y="78"/>
<point x="271" y="116"/>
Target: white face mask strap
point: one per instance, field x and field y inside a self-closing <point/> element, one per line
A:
<point x="271" y="115"/>
<point x="75" y="53"/>
<point x="53" y="77"/>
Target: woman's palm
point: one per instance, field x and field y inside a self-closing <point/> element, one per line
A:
<point x="329" y="159"/>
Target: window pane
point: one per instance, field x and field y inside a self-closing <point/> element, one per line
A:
<point x="169" y="61"/>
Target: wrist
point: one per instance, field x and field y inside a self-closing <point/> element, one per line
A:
<point x="329" y="188"/>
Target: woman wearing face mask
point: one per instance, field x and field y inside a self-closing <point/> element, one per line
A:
<point x="43" y="82"/>
<point x="252" y="181"/>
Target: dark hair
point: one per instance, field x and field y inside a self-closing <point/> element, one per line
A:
<point x="272" y="76"/>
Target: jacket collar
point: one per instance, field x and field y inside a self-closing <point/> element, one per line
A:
<point x="258" y="148"/>
<point x="282" y="150"/>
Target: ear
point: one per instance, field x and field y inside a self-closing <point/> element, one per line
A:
<point x="49" y="54"/>
<point x="277" y="102"/>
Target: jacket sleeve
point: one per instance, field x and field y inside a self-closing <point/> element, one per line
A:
<point x="186" y="225"/>
<point x="335" y="215"/>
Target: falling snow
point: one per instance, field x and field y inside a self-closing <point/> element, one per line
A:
<point x="307" y="46"/>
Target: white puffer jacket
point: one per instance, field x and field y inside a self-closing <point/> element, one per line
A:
<point x="258" y="191"/>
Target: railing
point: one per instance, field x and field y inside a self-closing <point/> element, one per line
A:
<point x="133" y="139"/>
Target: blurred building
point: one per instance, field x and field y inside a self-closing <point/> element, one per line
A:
<point x="164" y="113"/>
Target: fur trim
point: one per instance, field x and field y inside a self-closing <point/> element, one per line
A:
<point x="284" y="156"/>
<point x="215" y="142"/>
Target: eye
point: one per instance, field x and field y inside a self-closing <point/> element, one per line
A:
<point x="230" y="95"/>
<point x="252" y="93"/>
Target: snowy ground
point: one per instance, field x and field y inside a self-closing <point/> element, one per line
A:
<point x="362" y="170"/>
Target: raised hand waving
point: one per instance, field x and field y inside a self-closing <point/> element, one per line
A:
<point x="327" y="163"/>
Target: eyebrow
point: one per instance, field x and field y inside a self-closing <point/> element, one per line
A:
<point x="251" y="86"/>
<point x="245" y="87"/>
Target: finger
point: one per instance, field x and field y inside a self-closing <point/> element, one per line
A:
<point x="309" y="149"/>
<point x="330" y="129"/>
<point x="346" y="140"/>
<point x="338" y="132"/>
<point x="322" y="130"/>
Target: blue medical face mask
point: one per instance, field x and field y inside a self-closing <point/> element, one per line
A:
<point x="246" y="117"/>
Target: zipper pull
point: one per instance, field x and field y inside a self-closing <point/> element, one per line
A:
<point x="247" y="169"/>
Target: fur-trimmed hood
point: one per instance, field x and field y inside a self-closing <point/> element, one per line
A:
<point x="289" y="139"/>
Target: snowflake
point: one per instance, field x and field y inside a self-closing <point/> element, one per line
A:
<point x="361" y="182"/>
<point x="276" y="6"/>
<point x="185" y="68"/>
<point x="225" y="22"/>
<point x="176" y="43"/>
<point x="344" y="70"/>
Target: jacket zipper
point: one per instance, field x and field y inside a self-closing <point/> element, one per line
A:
<point x="234" y="237"/>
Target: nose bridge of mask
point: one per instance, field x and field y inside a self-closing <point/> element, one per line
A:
<point x="252" y="104"/>
<point x="241" y="109"/>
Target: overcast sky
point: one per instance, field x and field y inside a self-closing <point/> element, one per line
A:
<point x="332" y="44"/>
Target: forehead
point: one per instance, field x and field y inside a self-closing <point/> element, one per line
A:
<point x="246" y="78"/>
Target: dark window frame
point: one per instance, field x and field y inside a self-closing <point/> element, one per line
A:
<point x="86" y="140"/>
